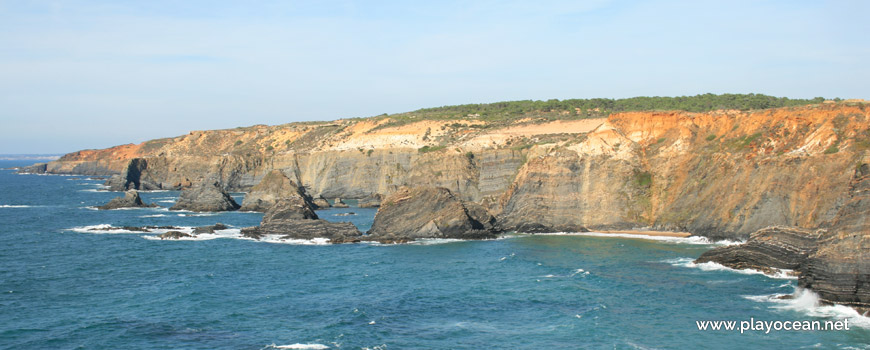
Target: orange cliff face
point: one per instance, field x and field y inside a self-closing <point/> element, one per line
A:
<point x="122" y="152"/>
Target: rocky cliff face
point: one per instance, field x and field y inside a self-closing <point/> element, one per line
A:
<point x="273" y="187"/>
<point x="722" y="174"/>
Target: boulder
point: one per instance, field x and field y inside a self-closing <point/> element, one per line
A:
<point x="295" y="219"/>
<point x="338" y="203"/>
<point x="371" y="201"/>
<point x="205" y="196"/>
<point x="130" y="199"/>
<point x="430" y="212"/>
<point x="274" y="186"/>
<point x="174" y="235"/>
<point x="209" y="229"/>
<point x="768" y="250"/>
<point x="321" y="203"/>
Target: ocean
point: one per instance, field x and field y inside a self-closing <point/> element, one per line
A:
<point x="64" y="286"/>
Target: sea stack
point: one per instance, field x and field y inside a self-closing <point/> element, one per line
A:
<point x="274" y="186"/>
<point x="293" y="218"/>
<point x="206" y="196"/>
<point x="430" y="212"/>
<point x="130" y="199"/>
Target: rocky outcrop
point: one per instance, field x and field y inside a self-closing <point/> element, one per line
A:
<point x="769" y="250"/>
<point x="174" y="235"/>
<point x="338" y="203"/>
<point x="321" y="203"/>
<point x="273" y="187"/>
<point x="372" y="201"/>
<point x="839" y="271"/>
<point x="132" y="178"/>
<point x="209" y="229"/>
<point x="295" y="219"/>
<point x="130" y="199"/>
<point x="430" y="212"/>
<point x="205" y="197"/>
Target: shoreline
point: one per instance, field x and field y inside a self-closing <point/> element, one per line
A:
<point x="647" y="233"/>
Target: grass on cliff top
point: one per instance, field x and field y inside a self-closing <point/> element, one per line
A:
<point x="506" y="112"/>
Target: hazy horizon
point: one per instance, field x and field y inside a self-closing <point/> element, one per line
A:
<point x="95" y="74"/>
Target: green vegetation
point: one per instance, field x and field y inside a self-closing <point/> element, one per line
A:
<point x="369" y="152"/>
<point x="239" y="142"/>
<point x="833" y="148"/>
<point x="643" y="179"/>
<point x="469" y="155"/>
<point x="270" y="148"/>
<point x="743" y="141"/>
<point x="427" y="149"/>
<point x="592" y="108"/>
<point x="711" y="137"/>
<point x="661" y="140"/>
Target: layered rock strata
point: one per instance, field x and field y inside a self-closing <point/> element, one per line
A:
<point x="206" y="196"/>
<point x="430" y="212"/>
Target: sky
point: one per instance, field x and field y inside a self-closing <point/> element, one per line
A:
<point x="94" y="74"/>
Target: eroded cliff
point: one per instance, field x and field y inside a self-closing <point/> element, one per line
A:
<point x="722" y="174"/>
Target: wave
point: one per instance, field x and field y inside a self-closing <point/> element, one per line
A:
<point x="166" y="201"/>
<point x="668" y="239"/>
<point x="108" y="228"/>
<point x="15" y="206"/>
<point x="153" y="216"/>
<point x="807" y="302"/>
<point x="712" y="266"/>
<point x="298" y="346"/>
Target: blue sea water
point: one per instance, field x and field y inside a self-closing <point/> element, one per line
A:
<point x="62" y="287"/>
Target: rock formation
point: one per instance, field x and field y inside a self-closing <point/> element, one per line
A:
<point x="205" y="196"/>
<point x="294" y="218"/>
<point x="338" y="203"/>
<point x="321" y="203"/>
<point x="371" y="201"/>
<point x="430" y="212"/>
<point x="132" y="178"/>
<point x="130" y="199"/>
<point x="769" y="250"/>
<point x="174" y="235"/>
<point x="209" y="229"/>
<point x="274" y="186"/>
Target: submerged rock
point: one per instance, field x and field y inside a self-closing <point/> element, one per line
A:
<point x="130" y="199"/>
<point x="338" y="203"/>
<point x="274" y="186"/>
<point x="430" y="212"/>
<point x="203" y="197"/>
<point x="295" y="219"/>
<point x="768" y="250"/>
<point x="174" y="235"/>
<point x="372" y="201"/>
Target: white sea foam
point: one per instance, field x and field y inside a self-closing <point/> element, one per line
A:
<point x="308" y="346"/>
<point x="667" y="239"/>
<point x="712" y="266"/>
<point x="807" y="302"/>
<point x="167" y="201"/>
<point x="199" y="214"/>
<point x="15" y="206"/>
<point x="104" y="229"/>
<point x="153" y="216"/>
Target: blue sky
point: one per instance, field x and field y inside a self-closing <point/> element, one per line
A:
<point x="93" y="74"/>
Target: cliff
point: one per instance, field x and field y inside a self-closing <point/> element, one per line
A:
<point x="721" y="174"/>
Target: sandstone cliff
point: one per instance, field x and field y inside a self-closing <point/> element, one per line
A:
<point x="722" y="174"/>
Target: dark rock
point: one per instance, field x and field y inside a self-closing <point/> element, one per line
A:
<point x="767" y="250"/>
<point x="38" y="168"/>
<point x="839" y="271"/>
<point x="274" y="186"/>
<point x="429" y="212"/>
<point x="162" y="227"/>
<point x="130" y="199"/>
<point x="174" y="235"/>
<point x="132" y="178"/>
<point x="209" y="229"/>
<point x="338" y="203"/>
<point x="321" y="203"/>
<point x="294" y="219"/>
<point x="346" y="214"/>
<point x="372" y="201"/>
<point x="205" y="196"/>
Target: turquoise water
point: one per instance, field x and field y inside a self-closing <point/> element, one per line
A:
<point x="65" y="289"/>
